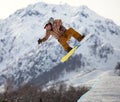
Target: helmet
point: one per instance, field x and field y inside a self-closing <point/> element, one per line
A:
<point x="50" y="21"/>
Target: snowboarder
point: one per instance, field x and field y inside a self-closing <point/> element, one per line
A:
<point x="54" y="27"/>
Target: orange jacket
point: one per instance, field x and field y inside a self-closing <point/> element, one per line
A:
<point x="57" y="30"/>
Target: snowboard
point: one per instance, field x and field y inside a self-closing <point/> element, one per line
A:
<point x="66" y="57"/>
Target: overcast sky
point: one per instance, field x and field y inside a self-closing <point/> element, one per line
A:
<point x="106" y="8"/>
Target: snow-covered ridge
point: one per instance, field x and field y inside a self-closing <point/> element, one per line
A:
<point x="22" y="59"/>
<point x="106" y="89"/>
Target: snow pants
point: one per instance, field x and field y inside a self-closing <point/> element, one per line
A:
<point x="66" y="37"/>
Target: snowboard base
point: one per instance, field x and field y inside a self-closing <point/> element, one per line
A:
<point x="66" y="57"/>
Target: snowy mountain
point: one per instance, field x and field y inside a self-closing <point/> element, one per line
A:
<point x="23" y="60"/>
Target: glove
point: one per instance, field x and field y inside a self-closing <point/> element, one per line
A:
<point x="39" y="41"/>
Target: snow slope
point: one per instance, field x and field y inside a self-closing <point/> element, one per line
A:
<point x="106" y="89"/>
<point x="23" y="60"/>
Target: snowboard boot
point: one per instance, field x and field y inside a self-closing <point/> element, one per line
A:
<point x="70" y="48"/>
<point x="81" y="38"/>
